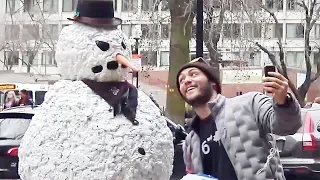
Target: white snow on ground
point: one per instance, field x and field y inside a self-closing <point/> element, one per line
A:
<point x="74" y="136"/>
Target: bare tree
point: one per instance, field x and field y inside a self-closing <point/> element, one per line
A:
<point x="31" y="41"/>
<point x="311" y="16"/>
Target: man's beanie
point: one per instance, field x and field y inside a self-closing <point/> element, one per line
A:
<point x="208" y="70"/>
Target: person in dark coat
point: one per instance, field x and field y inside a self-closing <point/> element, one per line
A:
<point x="25" y="98"/>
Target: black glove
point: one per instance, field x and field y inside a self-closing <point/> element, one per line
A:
<point x="129" y="105"/>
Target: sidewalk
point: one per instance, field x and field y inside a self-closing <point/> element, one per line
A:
<point x="159" y="94"/>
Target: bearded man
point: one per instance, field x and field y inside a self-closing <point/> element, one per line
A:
<point x="231" y="138"/>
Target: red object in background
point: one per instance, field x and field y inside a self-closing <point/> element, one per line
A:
<point x="136" y="56"/>
<point x="13" y="151"/>
<point x="309" y="141"/>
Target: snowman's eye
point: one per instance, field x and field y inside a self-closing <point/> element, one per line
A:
<point x="123" y="45"/>
<point x="104" y="46"/>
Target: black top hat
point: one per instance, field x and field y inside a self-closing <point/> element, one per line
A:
<point x="96" y="13"/>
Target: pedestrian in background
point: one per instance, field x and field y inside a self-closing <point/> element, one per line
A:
<point x="25" y="98"/>
<point x="11" y="100"/>
<point x="229" y="137"/>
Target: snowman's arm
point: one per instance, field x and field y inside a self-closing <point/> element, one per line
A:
<point x="133" y="96"/>
<point x="130" y="103"/>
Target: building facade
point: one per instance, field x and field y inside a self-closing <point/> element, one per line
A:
<point x="31" y="30"/>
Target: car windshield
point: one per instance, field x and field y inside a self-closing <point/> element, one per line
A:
<point x="13" y="128"/>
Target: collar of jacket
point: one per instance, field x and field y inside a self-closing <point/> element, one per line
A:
<point x="215" y="105"/>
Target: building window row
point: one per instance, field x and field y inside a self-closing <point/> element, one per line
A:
<point x="29" y="58"/>
<point x="236" y="5"/>
<point x="293" y="59"/>
<point x="293" y="30"/>
<point x="31" y="32"/>
<point x="50" y="6"/>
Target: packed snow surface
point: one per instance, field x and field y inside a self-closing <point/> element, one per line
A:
<point x="74" y="136"/>
<point x="77" y="53"/>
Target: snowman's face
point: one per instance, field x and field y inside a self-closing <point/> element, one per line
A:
<point x="84" y="52"/>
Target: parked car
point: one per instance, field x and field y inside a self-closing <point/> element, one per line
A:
<point x="15" y="121"/>
<point x="13" y="124"/>
<point x="300" y="153"/>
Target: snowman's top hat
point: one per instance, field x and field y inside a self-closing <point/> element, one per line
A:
<point x="96" y="13"/>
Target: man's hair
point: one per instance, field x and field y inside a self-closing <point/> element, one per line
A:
<point x="23" y="91"/>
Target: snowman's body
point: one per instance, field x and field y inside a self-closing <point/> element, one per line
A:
<point x="75" y="135"/>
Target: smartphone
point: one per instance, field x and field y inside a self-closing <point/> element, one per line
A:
<point x="268" y="69"/>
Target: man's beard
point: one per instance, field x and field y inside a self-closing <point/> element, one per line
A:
<point x="203" y="97"/>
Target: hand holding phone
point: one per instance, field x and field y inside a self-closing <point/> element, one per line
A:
<point x="268" y="69"/>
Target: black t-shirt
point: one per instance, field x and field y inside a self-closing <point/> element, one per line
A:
<point x="214" y="157"/>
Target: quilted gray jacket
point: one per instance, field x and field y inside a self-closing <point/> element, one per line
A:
<point x="244" y="124"/>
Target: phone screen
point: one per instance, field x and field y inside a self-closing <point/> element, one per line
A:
<point x="269" y="69"/>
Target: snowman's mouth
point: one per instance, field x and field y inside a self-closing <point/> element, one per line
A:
<point x="113" y="65"/>
<point x="97" y="69"/>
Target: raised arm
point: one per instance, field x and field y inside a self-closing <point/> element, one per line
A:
<point x="274" y="118"/>
<point x="281" y="114"/>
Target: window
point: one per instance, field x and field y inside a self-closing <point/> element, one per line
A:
<point x="30" y="32"/>
<point x="128" y="29"/>
<point x="129" y="5"/>
<point x="164" y="58"/>
<point x="165" y="31"/>
<point x="231" y="56"/>
<point x="253" y="4"/>
<point x="164" y="5"/>
<point x="39" y="97"/>
<point x="13" y="128"/>
<point x="12" y="32"/>
<point x="30" y="5"/>
<point x="233" y="5"/>
<point x="274" y="4"/>
<point x="149" y="5"/>
<point x="194" y="31"/>
<point x="50" y="31"/>
<point x="254" y="58"/>
<point x="292" y="5"/>
<point x="69" y="5"/>
<point x="295" y="30"/>
<point x="48" y="58"/>
<point x="115" y="5"/>
<point x="295" y="59"/>
<point x="11" y="58"/>
<point x="252" y="30"/>
<point x="315" y="31"/>
<point x="276" y="55"/>
<point x="12" y="6"/>
<point x="150" y="31"/>
<point x="149" y="58"/>
<point x="272" y="31"/>
<point x="205" y="55"/>
<point x="50" y="6"/>
<point x="231" y="30"/>
<point x="29" y="58"/>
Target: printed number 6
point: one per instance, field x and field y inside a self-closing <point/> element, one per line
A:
<point x="205" y="148"/>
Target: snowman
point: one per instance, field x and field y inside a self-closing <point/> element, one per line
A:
<point x="93" y="124"/>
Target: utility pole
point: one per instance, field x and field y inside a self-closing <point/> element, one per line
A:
<point x="199" y="29"/>
<point x="136" y="51"/>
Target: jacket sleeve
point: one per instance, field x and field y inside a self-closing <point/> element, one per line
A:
<point x="276" y="119"/>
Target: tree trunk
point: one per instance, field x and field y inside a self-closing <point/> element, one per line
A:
<point x="181" y="24"/>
